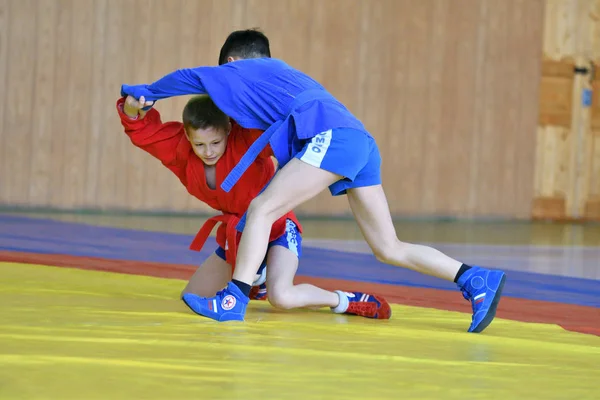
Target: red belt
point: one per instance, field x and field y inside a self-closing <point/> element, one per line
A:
<point x="226" y="234"/>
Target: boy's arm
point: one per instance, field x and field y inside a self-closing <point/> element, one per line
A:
<point x="224" y="84"/>
<point x="178" y="83"/>
<point x="166" y="142"/>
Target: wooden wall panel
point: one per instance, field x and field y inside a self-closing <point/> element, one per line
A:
<point x="4" y="34"/>
<point x="58" y="131"/>
<point x="46" y="13"/>
<point x="566" y="184"/>
<point x="18" y="94"/>
<point x="97" y="132"/>
<point x="448" y="88"/>
<point x="76" y="148"/>
<point x="592" y="201"/>
<point x="501" y="140"/>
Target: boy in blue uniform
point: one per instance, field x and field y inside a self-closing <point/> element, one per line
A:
<point x="319" y="144"/>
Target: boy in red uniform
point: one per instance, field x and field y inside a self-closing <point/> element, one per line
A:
<point x="201" y="152"/>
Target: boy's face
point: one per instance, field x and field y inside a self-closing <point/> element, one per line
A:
<point x="208" y="144"/>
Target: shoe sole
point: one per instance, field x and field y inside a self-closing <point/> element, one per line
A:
<point x="221" y="318"/>
<point x="385" y="311"/>
<point x="190" y="307"/>
<point x="489" y="317"/>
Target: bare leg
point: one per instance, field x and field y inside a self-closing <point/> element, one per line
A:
<point x="294" y="184"/>
<point x="209" y="278"/>
<point x="370" y="208"/>
<point x="282" y="266"/>
<point x="298" y="182"/>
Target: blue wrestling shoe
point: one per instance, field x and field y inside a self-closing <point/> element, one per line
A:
<point x="228" y="305"/>
<point x="483" y="287"/>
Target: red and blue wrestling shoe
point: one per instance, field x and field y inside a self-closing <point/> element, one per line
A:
<point x="228" y="305"/>
<point x="483" y="287"/>
<point x="259" y="292"/>
<point x="362" y="304"/>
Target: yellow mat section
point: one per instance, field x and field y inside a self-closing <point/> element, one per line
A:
<point x="75" y="334"/>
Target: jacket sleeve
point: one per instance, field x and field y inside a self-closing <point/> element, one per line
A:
<point x="177" y="83"/>
<point x="165" y="141"/>
<point x="227" y="85"/>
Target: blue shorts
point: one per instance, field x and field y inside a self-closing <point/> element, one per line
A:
<point x="350" y="153"/>
<point x="291" y="240"/>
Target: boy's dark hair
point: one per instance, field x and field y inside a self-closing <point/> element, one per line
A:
<point x="202" y="113"/>
<point x="248" y="43"/>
